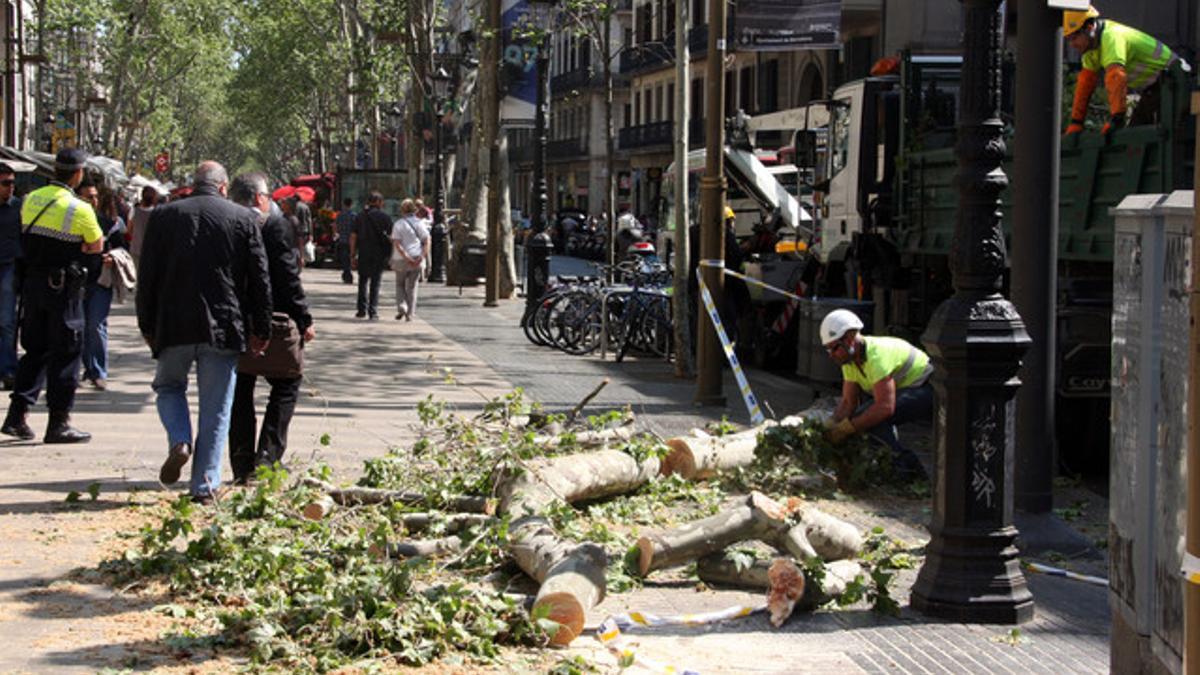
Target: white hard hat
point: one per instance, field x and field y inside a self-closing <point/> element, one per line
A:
<point x="836" y="323"/>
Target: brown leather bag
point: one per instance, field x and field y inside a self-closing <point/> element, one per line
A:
<point x="284" y="357"/>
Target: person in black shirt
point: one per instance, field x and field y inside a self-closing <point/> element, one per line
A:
<point x="370" y="249"/>
<point x="287" y="297"/>
<point x="10" y="250"/>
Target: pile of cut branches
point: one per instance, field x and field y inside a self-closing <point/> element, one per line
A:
<point x="500" y="528"/>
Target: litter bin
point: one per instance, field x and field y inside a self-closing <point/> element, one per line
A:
<point x="473" y="262"/>
<point x="822" y="369"/>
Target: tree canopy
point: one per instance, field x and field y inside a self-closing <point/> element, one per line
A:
<point x="279" y="85"/>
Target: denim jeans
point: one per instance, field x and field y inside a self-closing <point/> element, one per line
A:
<point x="215" y="370"/>
<point x="96" y="304"/>
<point x="914" y="404"/>
<point x="8" y="319"/>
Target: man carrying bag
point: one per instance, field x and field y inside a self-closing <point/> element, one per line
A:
<point x="283" y="362"/>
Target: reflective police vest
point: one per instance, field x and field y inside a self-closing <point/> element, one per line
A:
<point x="54" y="211"/>
<point x="1142" y="56"/>
<point x="889" y="357"/>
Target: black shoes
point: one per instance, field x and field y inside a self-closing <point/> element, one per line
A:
<point x="360" y="315"/>
<point x="59" y="430"/>
<point x="15" y="425"/>
<point x="177" y="456"/>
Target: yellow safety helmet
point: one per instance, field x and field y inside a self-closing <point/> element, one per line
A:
<point x="729" y="214"/>
<point x="1073" y="19"/>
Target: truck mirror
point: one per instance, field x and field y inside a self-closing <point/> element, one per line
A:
<point x="806" y="150"/>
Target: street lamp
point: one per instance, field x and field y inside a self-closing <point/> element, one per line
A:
<point x="441" y="92"/>
<point x="537" y="271"/>
<point x="972" y="571"/>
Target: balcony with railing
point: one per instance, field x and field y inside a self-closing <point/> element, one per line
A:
<point x="575" y="79"/>
<point x="645" y="135"/>
<point x="566" y="148"/>
<point x="660" y="53"/>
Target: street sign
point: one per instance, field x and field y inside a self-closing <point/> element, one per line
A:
<point x="162" y="162"/>
<point x="1080" y="5"/>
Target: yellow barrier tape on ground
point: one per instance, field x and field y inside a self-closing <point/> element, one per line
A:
<point x="609" y="633"/>
<point x="756" y="415"/>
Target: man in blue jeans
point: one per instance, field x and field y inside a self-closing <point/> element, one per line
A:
<point x="203" y="297"/>
<point x="10" y="250"/>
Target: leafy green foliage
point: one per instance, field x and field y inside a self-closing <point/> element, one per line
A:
<point x="881" y="558"/>
<point x="859" y="464"/>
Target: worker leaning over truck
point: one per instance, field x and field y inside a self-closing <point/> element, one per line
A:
<point x="1129" y="61"/>
<point x="892" y="372"/>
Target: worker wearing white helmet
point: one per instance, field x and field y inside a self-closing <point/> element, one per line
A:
<point x="892" y="372"/>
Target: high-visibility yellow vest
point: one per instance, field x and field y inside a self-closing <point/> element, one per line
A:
<point x="1143" y="56"/>
<point x="889" y="357"/>
<point x="63" y="216"/>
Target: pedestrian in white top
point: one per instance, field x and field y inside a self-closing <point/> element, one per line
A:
<point x="410" y="247"/>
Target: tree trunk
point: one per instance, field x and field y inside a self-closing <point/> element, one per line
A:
<point x="508" y="270"/>
<point x="760" y="517"/>
<point x="832" y="538"/>
<point x="717" y="569"/>
<point x="571" y="575"/>
<point x="572" y="478"/>
<point x="586" y="438"/>
<point x="701" y="456"/>
<point x="681" y="301"/>
<point x="787" y="587"/>
<point x="609" y="142"/>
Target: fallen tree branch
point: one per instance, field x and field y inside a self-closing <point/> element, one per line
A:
<point x="586" y="399"/>
<point x="418" y="548"/>
<point x="354" y="496"/>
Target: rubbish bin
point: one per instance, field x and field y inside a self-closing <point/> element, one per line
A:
<point x="822" y="369"/>
<point x="473" y="262"/>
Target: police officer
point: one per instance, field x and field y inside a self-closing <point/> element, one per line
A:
<point x="892" y="372"/>
<point x="60" y="239"/>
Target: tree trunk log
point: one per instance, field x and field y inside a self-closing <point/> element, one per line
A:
<point x="353" y="496"/>
<point x="701" y="456"/>
<point x="572" y="478"/>
<point x="758" y="518"/>
<point x="571" y="575"/>
<point x="717" y="569"/>
<point x="832" y="538"/>
<point x="454" y="522"/>
<point x="787" y="587"/>
<point x="571" y="588"/>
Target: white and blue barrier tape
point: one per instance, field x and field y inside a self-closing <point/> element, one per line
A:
<point x="756" y="414"/>
<point x="609" y="633"/>
<point x="1066" y="574"/>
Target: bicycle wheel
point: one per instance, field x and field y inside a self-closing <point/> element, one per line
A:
<point x="656" y="329"/>
<point x="629" y="327"/>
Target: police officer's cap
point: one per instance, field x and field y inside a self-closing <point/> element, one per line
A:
<point x="70" y="159"/>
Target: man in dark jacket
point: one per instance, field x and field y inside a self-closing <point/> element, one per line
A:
<point x="10" y="250"/>
<point x="203" y="296"/>
<point x="370" y="250"/>
<point x="287" y="295"/>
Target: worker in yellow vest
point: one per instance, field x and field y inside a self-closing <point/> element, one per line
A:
<point x="1127" y="59"/>
<point x="60" y="242"/>
<point x="892" y="372"/>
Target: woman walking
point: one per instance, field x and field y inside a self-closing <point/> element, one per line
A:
<point x="410" y="247"/>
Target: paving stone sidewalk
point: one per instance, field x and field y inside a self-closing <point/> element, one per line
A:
<point x="362" y="385"/>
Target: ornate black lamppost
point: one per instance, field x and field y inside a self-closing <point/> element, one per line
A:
<point x="437" y="235"/>
<point x="976" y="339"/>
<point x="539" y="246"/>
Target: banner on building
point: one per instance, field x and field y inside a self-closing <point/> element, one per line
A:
<point x="518" y="65"/>
<point x="784" y="25"/>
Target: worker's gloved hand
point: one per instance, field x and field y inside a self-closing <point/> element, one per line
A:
<point x="1074" y="128"/>
<point x="840" y="432"/>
